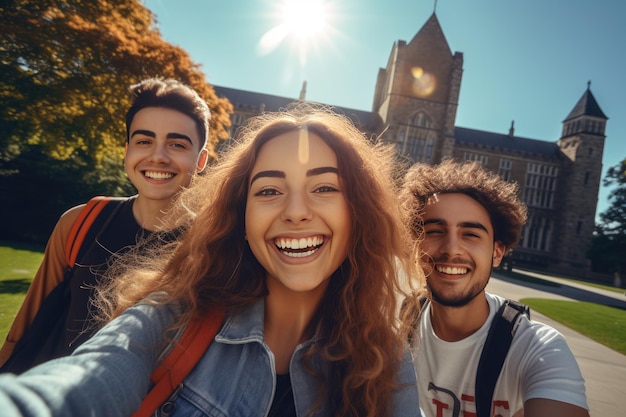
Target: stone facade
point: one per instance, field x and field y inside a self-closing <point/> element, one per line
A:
<point x="414" y="107"/>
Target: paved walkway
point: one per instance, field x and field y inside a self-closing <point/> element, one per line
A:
<point x="604" y="369"/>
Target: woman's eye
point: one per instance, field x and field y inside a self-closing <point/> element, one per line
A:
<point x="267" y="192"/>
<point x="326" y="189"/>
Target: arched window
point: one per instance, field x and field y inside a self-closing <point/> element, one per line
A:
<point x="416" y="138"/>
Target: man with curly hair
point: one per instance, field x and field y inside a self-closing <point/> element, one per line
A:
<point x="465" y="220"/>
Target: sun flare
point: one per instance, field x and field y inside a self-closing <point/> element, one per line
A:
<point x="300" y="21"/>
<point x="304" y="18"/>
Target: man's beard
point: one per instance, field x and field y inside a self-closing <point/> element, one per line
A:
<point x="459" y="301"/>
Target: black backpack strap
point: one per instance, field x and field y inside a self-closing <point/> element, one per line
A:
<point x="496" y="347"/>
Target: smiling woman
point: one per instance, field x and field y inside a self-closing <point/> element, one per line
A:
<point x="296" y="234"/>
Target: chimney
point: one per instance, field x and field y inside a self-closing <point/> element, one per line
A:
<point x="512" y="129"/>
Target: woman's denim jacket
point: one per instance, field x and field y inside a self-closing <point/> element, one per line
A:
<point x="109" y="375"/>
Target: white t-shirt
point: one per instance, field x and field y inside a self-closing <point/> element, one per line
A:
<point x="539" y="365"/>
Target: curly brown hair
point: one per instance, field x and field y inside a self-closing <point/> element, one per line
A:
<point x="356" y="323"/>
<point x="499" y="197"/>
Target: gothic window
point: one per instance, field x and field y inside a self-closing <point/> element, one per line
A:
<point x="470" y="156"/>
<point x="417" y="139"/>
<point x="540" y="185"/>
<point x="505" y="169"/>
<point x="587" y="177"/>
<point x="421" y="119"/>
<point x="537" y="233"/>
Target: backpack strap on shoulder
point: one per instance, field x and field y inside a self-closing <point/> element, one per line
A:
<point x="81" y="226"/>
<point x="496" y="347"/>
<point x="181" y="360"/>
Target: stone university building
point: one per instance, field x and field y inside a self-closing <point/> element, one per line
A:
<point x="414" y="107"/>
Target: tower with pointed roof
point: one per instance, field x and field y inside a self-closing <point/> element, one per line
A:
<point x="582" y="144"/>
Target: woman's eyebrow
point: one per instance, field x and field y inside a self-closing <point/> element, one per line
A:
<point x="321" y="170"/>
<point x="281" y="174"/>
<point x="270" y="174"/>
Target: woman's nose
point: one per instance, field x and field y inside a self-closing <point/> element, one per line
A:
<point x="297" y="208"/>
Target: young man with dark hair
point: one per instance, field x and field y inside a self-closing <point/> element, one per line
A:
<point x="465" y="220"/>
<point x="166" y="133"/>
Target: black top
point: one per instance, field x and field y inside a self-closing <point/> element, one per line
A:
<point x="282" y="403"/>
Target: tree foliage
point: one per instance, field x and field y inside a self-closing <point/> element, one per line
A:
<point x="614" y="218"/>
<point x="608" y="248"/>
<point x="66" y="67"/>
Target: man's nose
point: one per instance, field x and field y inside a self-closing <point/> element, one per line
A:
<point x="451" y="245"/>
<point x="159" y="154"/>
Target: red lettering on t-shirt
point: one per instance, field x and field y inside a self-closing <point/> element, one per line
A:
<point x="468" y="399"/>
<point x="440" y="407"/>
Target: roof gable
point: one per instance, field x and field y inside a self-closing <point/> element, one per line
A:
<point x="432" y="32"/>
<point x="586" y="106"/>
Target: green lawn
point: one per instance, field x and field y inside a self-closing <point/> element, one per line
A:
<point x="18" y="264"/>
<point x="606" y="325"/>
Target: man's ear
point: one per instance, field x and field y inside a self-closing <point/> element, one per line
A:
<point x="202" y="160"/>
<point x="498" y="253"/>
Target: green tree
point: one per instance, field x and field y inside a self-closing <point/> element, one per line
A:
<point x="66" y="67"/>
<point x="609" y="243"/>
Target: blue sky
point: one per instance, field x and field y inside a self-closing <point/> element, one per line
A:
<point x="525" y="60"/>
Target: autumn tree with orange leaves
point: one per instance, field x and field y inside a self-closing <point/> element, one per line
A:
<point x="65" y="68"/>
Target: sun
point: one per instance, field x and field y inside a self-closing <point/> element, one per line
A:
<point x="304" y="18"/>
<point x="300" y="21"/>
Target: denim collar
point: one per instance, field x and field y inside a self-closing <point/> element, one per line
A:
<point x="244" y="325"/>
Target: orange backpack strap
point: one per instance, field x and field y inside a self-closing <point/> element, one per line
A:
<point x="181" y="360"/>
<point x="81" y="226"/>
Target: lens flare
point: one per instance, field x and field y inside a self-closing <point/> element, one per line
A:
<point x="424" y="83"/>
